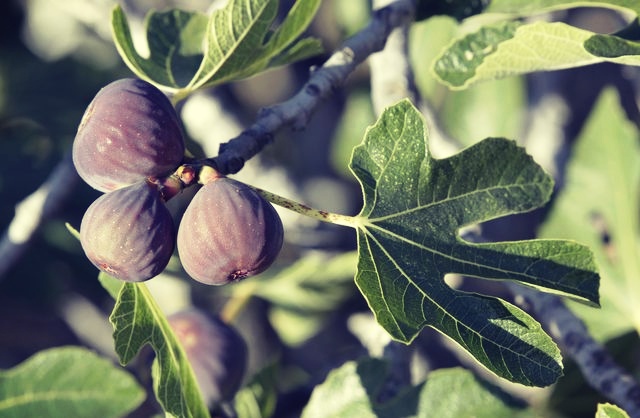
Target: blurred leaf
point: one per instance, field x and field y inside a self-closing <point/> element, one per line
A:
<point x="69" y="382"/>
<point x="608" y="410"/>
<point x="599" y="207"/>
<point x="257" y="399"/>
<point x="510" y="48"/>
<point x="304" y="293"/>
<point x="137" y="320"/>
<point x="529" y="7"/>
<point x="470" y="114"/>
<point x="353" y="391"/>
<point x="408" y="241"/>
<point x="174" y="38"/>
<point x="454" y="393"/>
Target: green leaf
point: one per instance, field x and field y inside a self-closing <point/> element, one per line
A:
<point x="69" y="382"/>
<point x="174" y="39"/>
<point x="510" y="48"/>
<point x="352" y="391"/>
<point x="190" y="50"/>
<point x="599" y="206"/>
<point x="529" y="7"/>
<point x="239" y="41"/>
<point x="258" y="398"/>
<point x="408" y="240"/>
<point x="137" y="320"/>
<point x="608" y="410"/>
<point x="454" y="393"/>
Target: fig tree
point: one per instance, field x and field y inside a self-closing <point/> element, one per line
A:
<point x="228" y="232"/>
<point x="216" y="352"/>
<point x="129" y="131"/>
<point x="129" y="233"/>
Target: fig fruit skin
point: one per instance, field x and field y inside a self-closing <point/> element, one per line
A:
<point x="130" y="131"/>
<point x="129" y="233"/>
<point x="228" y="232"/>
<point x="217" y="353"/>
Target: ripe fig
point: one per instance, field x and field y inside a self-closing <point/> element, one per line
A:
<point x="129" y="233"/>
<point x="228" y="232"/>
<point x="129" y="131"/>
<point x="216" y="352"/>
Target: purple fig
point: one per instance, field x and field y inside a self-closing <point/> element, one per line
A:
<point x="216" y="352"/>
<point x="129" y="132"/>
<point x="129" y="233"/>
<point x="228" y="232"/>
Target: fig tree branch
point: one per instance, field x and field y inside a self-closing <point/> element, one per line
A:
<point x="323" y="81"/>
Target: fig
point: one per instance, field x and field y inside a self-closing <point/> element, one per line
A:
<point x="216" y="351"/>
<point x="228" y="232"/>
<point x="129" y="233"/>
<point x="130" y="131"/>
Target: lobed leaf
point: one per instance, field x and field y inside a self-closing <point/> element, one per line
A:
<point x="70" y="382"/>
<point x="408" y="240"/>
<point x="599" y="206"/>
<point x="137" y="321"/>
<point x="511" y="48"/>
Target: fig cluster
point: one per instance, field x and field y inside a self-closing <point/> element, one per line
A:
<point x="216" y="351"/>
<point x="130" y="139"/>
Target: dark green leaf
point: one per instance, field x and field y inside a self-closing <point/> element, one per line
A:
<point x="408" y="240"/>
<point x="137" y="320"/>
<point x="68" y="382"/>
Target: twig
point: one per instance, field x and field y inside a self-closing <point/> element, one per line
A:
<point x="34" y="211"/>
<point x="297" y="110"/>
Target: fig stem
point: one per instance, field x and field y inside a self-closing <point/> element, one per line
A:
<point x="321" y="215"/>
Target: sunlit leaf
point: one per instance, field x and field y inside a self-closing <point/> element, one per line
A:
<point x="608" y="410"/>
<point x="68" y="382"/>
<point x="408" y="240"/>
<point x="137" y="321"/>
<point x="510" y="48"/>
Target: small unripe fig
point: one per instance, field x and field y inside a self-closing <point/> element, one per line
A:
<point x="129" y="233"/>
<point x="228" y="232"/>
<point x="129" y="131"/>
<point x="216" y="352"/>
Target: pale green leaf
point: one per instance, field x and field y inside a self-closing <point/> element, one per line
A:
<point x="511" y="48"/>
<point x="455" y="393"/>
<point x="408" y="240"/>
<point x="353" y="390"/>
<point x="599" y="207"/>
<point x="258" y="398"/>
<point x="608" y="410"/>
<point x="529" y="7"/>
<point x="68" y="382"/>
<point x="137" y="321"/>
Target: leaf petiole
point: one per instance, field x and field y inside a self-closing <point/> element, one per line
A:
<point x="321" y="215"/>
